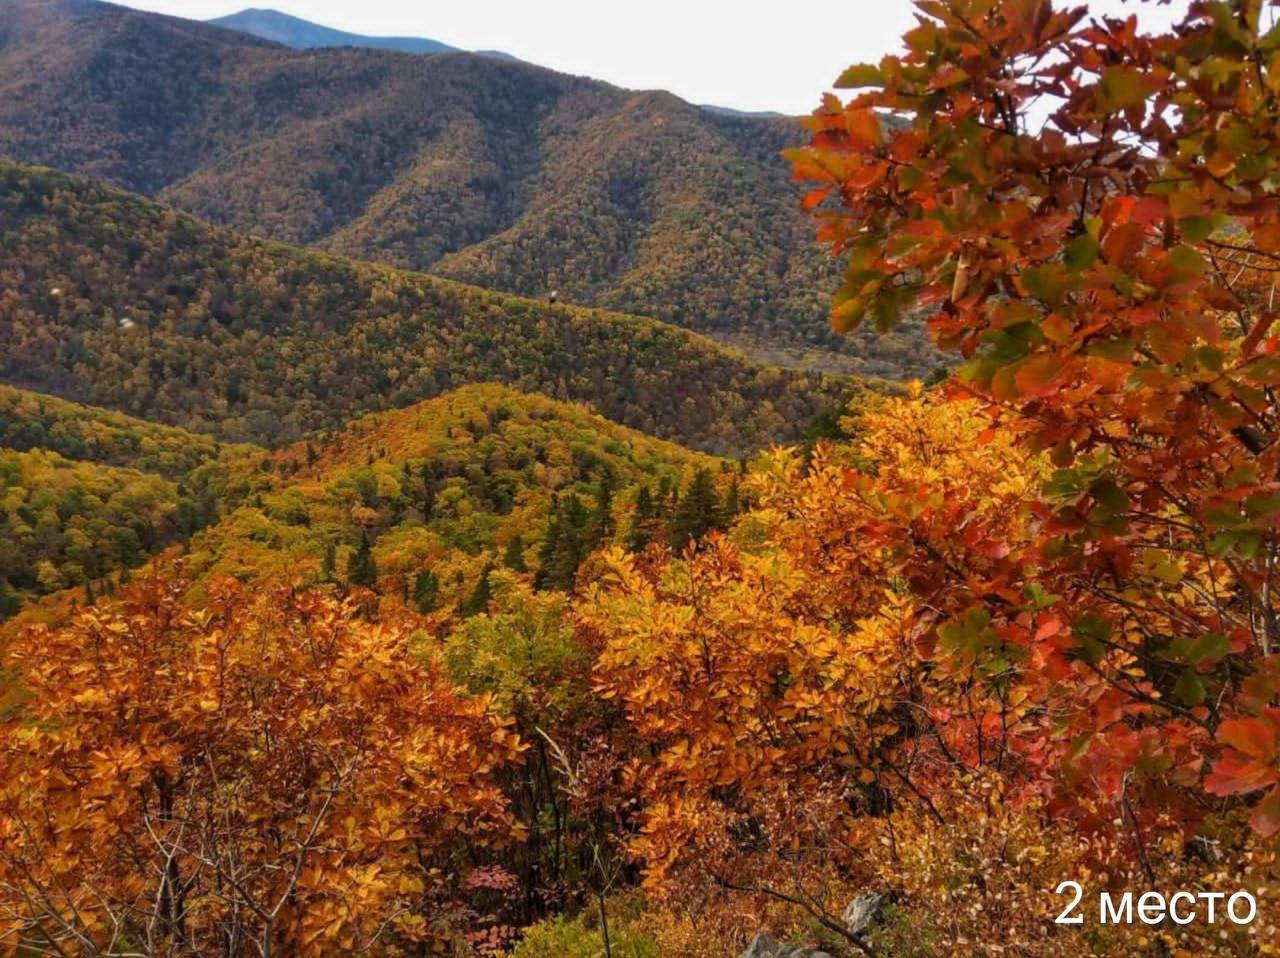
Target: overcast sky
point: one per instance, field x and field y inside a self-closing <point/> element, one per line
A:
<point x="746" y="54"/>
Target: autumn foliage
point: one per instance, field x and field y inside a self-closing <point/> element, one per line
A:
<point x="1107" y="278"/>
<point x="1056" y="579"/>
<point x="265" y="775"/>
<point x="1013" y="629"/>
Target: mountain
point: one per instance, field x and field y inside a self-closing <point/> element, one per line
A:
<point x="491" y="172"/>
<point x="303" y="35"/>
<point x="31" y="421"/>
<point x="117" y="301"/>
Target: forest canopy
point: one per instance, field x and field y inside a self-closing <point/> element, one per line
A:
<point x="877" y="693"/>
<point x="487" y="171"/>
<point x="112" y="300"/>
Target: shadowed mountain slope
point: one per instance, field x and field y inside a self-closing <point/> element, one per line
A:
<point x="114" y="300"/>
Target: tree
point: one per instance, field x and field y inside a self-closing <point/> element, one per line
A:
<point x="426" y="591"/>
<point x="427" y="481"/>
<point x="732" y="504"/>
<point x="478" y="600"/>
<point x="698" y="511"/>
<point x="1107" y="273"/>
<point x="567" y="543"/>
<point x="602" y="522"/>
<point x="362" y="568"/>
<point x="513" y="557"/>
<point x="9" y="603"/>
<point x="270" y="774"/>
<point x="640" y="534"/>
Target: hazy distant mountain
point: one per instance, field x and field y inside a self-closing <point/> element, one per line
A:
<point x="492" y="172"/>
<point x="730" y="111"/>
<point x="303" y="35"/>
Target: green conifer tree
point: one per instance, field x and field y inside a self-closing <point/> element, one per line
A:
<point x="428" y="502"/>
<point x="478" y="600"/>
<point x="426" y="591"/>
<point x="697" y="513"/>
<point x="603" y="526"/>
<point x="732" y="504"/>
<point x="641" y="532"/>
<point x="566" y="545"/>
<point x="9" y="603"/>
<point x="362" y="570"/>
<point x="513" y="559"/>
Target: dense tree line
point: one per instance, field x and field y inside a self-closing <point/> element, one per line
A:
<point x="30" y="421"/>
<point x="65" y="524"/>
<point x="492" y="172"/>
<point x="110" y="299"/>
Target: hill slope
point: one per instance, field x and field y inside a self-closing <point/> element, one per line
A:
<point x="30" y="421"/>
<point x="114" y="300"/>
<point x="459" y="486"/>
<point x="445" y="485"/>
<point x="490" y="172"/>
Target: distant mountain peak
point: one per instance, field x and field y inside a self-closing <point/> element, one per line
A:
<point x="291" y="31"/>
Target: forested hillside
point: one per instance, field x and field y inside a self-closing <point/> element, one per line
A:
<point x="64" y="523"/>
<point x="117" y="301"/>
<point x="88" y="494"/>
<point x="424" y="505"/>
<point x="491" y="172"/>
<point x="421" y="505"/>
<point x="31" y="421"/>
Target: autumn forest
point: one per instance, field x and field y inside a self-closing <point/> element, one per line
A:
<point x="450" y="507"/>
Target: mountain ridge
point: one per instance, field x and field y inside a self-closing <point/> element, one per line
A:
<point x="288" y="30"/>
<point x="118" y="301"/>
<point x="495" y="173"/>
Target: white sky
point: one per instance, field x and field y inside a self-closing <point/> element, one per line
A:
<point x="739" y="53"/>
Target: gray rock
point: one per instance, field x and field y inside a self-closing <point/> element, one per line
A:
<point x="762" y="945"/>
<point x="861" y="912"/>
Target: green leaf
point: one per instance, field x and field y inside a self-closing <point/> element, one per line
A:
<point x="1110" y="498"/>
<point x="1185" y="261"/>
<point x="1196" y="229"/>
<point x="859" y="75"/>
<point x="1189" y="688"/>
<point x="1037" y="597"/>
<point x="1123" y="87"/>
<point x="1092" y="630"/>
<point x="1209" y="648"/>
<point x="1081" y="253"/>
